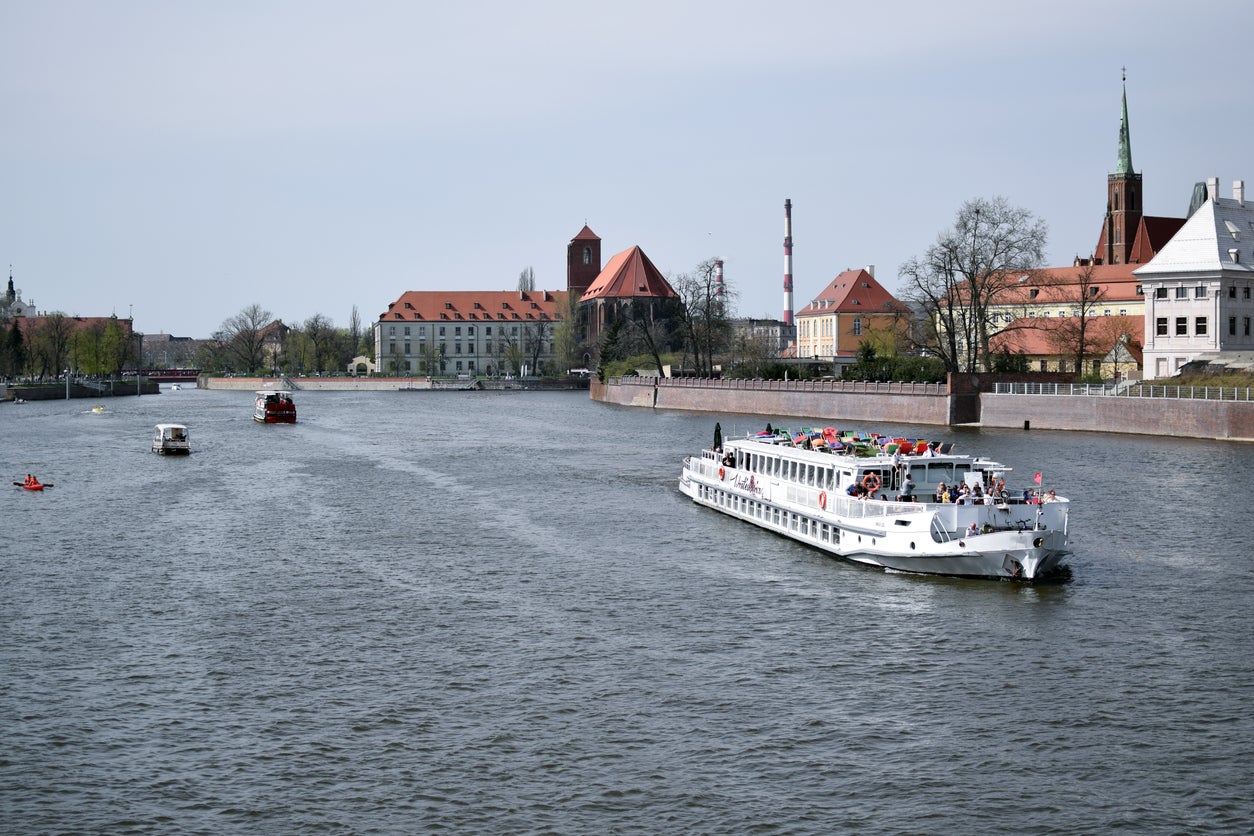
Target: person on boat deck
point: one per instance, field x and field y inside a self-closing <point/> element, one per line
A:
<point x="907" y="489"/>
<point x="855" y="490"/>
<point x="942" y="493"/>
<point x="1051" y="496"/>
<point x="972" y="530"/>
<point x="729" y="459"/>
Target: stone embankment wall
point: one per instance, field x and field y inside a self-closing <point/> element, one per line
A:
<point x="1184" y="417"/>
<point x="961" y="402"/>
<point x="913" y="403"/>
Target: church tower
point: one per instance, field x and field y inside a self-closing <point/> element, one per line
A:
<point x="583" y="261"/>
<point x="1123" y="199"/>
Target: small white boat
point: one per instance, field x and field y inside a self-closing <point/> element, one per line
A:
<point x="171" y="439"/>
<point x="98" y="408"/>
<point x="871" y="505"/>
<point x="174" y="387"/>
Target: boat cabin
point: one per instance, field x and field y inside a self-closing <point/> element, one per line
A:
<point x="171" y="439"/>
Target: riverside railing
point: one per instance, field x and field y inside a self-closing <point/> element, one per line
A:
<point x="758" y="385"/>
<point x="1139" y="390"/>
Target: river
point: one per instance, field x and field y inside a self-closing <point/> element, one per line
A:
<point x="494" y="612"/>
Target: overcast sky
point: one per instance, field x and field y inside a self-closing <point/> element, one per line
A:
<point x="190" y="159"/>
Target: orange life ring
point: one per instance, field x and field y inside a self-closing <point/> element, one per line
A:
<point x="871" y="482"/>
<point x="721" y="473"/>
<point x="823" y="500"/>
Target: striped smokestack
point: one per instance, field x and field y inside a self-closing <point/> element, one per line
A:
<point x="788" y="262"/>
<point x="718" y="278"/>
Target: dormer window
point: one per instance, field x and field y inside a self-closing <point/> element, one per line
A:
<point x="448" y="306"/>
<point x="409" y="306"/>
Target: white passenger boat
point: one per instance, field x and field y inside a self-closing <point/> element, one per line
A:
<point x="849" y="496"/>
<point x="171" y="439"/>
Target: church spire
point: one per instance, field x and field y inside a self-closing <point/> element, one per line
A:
<point x="1124" y="165"/>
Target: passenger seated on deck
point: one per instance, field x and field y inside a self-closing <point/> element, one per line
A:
<point x="972" y="530"/>
<point x="729" y="459"/>
<point x="942" y="494"/>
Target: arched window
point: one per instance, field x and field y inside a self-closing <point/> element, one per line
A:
<point x="857" y="326"/>
<point x="587" y="255"/>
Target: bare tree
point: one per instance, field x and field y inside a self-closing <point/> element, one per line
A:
<point x="535" y="336"/>
<point x="242" y="338"/>
<point x="961" y="277"/>
<point x="1074" y="335"/>
<point x="704" y="314"/>
<point x="527" y="280"/>
<point x="50" y="343"/>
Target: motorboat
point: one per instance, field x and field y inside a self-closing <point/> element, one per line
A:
<point x="171" y="439"/>
<point x="274" y="406"/>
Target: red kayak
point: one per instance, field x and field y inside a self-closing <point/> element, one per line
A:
<point x="37" y="486"/>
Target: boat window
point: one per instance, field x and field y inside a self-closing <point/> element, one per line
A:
<point x="940" y="472"/>
<point x="809" y="474"/>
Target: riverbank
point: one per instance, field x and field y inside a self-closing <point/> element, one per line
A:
<point x="966" y="400"/>
<point x="386" y="384"/>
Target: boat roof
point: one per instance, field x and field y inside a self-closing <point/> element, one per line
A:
<point x="873" y="462"/>
<point x="274" y="392"/>
<point x="171" y="426"/>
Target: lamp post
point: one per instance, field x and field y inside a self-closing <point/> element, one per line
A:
<point x="67" y="384"/>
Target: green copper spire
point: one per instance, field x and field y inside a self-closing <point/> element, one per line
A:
<point x="1124" y="165"/>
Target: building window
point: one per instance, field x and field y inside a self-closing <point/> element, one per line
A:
<point x="857" y="326"/>
<point x="391" y="330"/>
<point x="1033" y="293"/>
<point x="407" y="330"/>
<point x="1199" y="326"/>
<point x="457" y="330"/>
<point x="587" y="255"/>
<point x="1182" y="293"/>
<point x="1160" y="326"/>
<point x="457" y="348"/>
<point x="1160" y="293"/>
<point x="441" y="330"/>
<point x="1232" y="325"/>
<point x="1182" y="326"/>
<point x="407" y="348"/>
<point x="487" y="332"/>
<point x="1232" y="292"/>
<point x="1199" y="292"/>
<point x="1245" y="323"/>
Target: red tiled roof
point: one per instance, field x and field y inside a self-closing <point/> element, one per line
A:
<point x="1114" y="283"/>
<point x="1037" y="336"/>
<point x="853" y="291"/>
<point x="586" y="234"/>
<point x="476" y="306"/>
<point x="629" y="274"/>
<point x="1151" y="235"/>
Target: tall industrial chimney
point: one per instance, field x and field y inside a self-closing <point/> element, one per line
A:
<point x="718" y="278"/>
<point x="788" y="262"/>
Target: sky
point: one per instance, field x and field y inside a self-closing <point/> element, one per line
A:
<point x="180" y="161"/>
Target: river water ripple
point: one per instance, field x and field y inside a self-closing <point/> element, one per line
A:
<point x="494" y="612"/>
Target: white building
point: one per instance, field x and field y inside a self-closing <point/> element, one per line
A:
<point x="1198" y="288"/>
